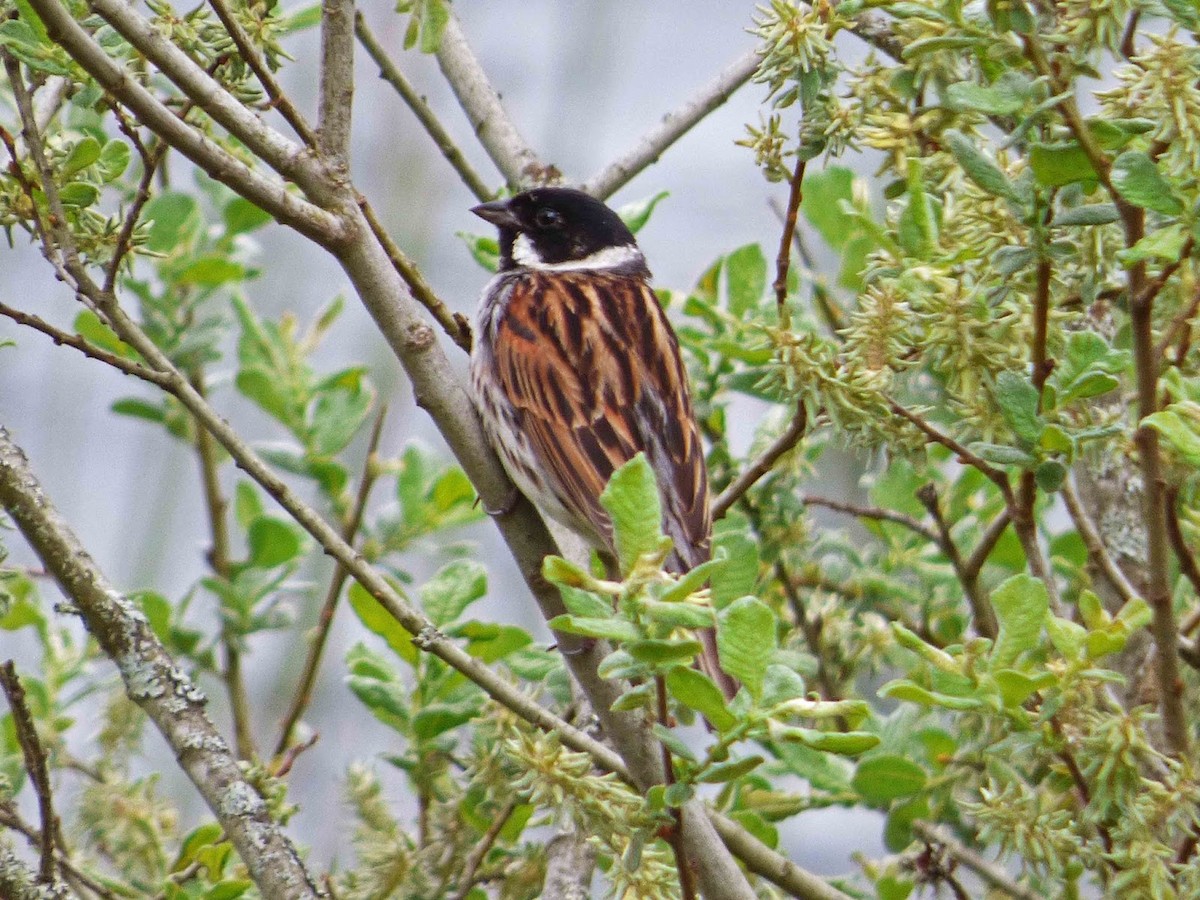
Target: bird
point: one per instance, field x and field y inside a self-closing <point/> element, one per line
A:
<point x="575" y="369"/>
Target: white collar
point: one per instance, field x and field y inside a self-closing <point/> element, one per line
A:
<point x="609" y="258"/>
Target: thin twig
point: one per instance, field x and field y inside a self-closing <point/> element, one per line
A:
<point x="672" y="127"/>
<point x="495" y="129"/>
<point x="981" y="610"/>
<point x="391" y="73"/>
<point x="215" y="506"/>
<point x="783" y="259"/>
<point x="687" y="882"/>
<point x="35" y="765"/>
<point x="1178" y="324"/>
<point x="312" y="662"/>
<point x="872" y="512"/>
<point x="1094" y="543"/>
<point x="250" y="55"/>
<point x="811" y="629"/>
<point x="761" y="466"/>
<point x="455" y="325"/>
<point x="987" y="543"/>
<point x="475" y="858"/>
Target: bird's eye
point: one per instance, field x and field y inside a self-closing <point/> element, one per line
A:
<point x="548" y="218"/>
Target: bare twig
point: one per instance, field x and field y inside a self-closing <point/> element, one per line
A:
<point x="1180" y="322"/>
<point x="35" y="765"/>
<point x="471" y="865"/>
<point x="872" y="512"/>
<point x="987" y="543"/>
<point x="391" y="73"/>
<point x="672" y="127"/>
<point x="982" y="613"/>
<point x="1094" y="543"/>
<point x="761" y="466"/>
<point x="312" y="662"/>
<point x="155" y="683"/>
<point x="218" y="558"/>
<point x="783" y="259"/>
<point x="337" y="80"/>
<point x="1183" y="554"/>
<point x="510" y="152"/>
<point x="249" y="53"/>
<point x="453" y="324"/>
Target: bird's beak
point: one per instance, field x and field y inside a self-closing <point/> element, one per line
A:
<point x="498" y="213"/>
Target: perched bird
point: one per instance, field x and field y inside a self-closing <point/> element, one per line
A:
<point x="575" y="369"/>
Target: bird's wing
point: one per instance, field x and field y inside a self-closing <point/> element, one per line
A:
<point x="592" y="367"/>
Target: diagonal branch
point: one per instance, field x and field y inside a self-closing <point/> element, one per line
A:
<point x="672" y="127"/>
<point x="155" y="683"/>
<point x="762" y="465"/>
<point x="390" y="73"/>
<point x="510" y="152"/>
<point x="1094" y="544"/>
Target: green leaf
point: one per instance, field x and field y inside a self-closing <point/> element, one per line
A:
<point x="211" y="270"/>
<point x="1003" y="98"/>
<point x="746" y="278"/>
<point x="272" y="542"/>
<point x="379" y="621"/>
<point x="846" y="743"/>
<point x="658" y="652"/>
<point x="435" y="15"/>
<point x="728" y="771"/>
<point x="781" y="684"/>
<point x="1018" y="402"/>
<point x="1050" y="475"/>
<point x="978" y="166"/>
<point x="612" y="629"/>
<point x="455" y="587"/>
<point x="882" y="779"/>
<point x="673" y="742"/>
<point x="114" y="160"/>
<point x="1003" y="455"/>
<point x="697" y="691"/>
<point x="1137" y="179"/>
<point x="174" y="220"/>
<point x="918" y="224"/>
<point x="1179" y="424"/>
<point x="821" y="204"/>
<point x="79" y="193"/>
<point x="80" y="156"/>
<point x="241" y="217"/>
<point x="438" y="718"/>
<point x="1055" y="165"/>
<point x="1092" y="214"/>
<point x="738" y="575"/>
<point x="1067" y="637"/>
<point x="898" y="831"/>
<point x="1022" y="606"/>
<point x="1162" y="243"/>
<point x="632" y="501"/>
<point x="490" y="642"/>
<point x="746" y="641"/>
<point x="336" y="418"/>
<point x="902" y="689"/>
<point x="1017" y="687"/>
<point x="636" y="215"/>
<point x="301" y="20"/>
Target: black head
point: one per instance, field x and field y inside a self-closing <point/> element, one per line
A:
<point x="555" y="226"/>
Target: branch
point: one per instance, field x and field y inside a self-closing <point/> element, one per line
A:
<point x="35" y="765"/>
<point x="249" y="53"/>
<point x="509" y="151"/>
<point x="272" y="196"/>
<point x="18" y="883"/>
<point x="466" y="879"/>
<point x="570" y="862"/>
<point x="312" y="662"/>
<point x="762" y="465"/>
<point x="762" y="860"/>
<point x="337" y="80"/>
<point x="390" y="73"/>
<point x="672" y="127"/>
<point x="987" y="543"/>
<point x="981" y="610"/>
<point x="872" y="512"/>
<point x="1183" y="553"/>
<point x="155" y="683"/>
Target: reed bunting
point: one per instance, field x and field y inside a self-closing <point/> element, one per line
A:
<point x="575" y="369"/>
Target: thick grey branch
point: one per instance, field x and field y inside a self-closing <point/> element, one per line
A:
<point x="673" y="126"/>
<point x="337" y="79"/>
<point x="762" y="860"/>
<point x="271" y="195"/>
<point x="155" y="683"/>
<point x="17" y="882"/>
<point x="504" y="144"/>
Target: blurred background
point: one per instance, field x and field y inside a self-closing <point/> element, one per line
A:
<point x="582" y="80"/>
